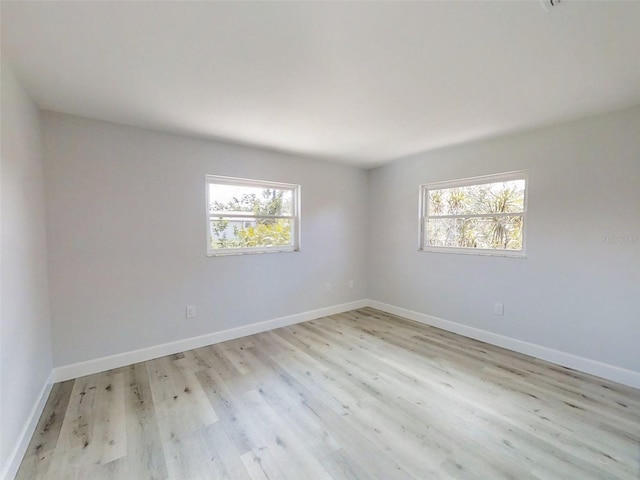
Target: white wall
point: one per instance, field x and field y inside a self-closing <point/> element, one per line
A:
<point x="574" y="292"/>
<point x="127" y="240"/>
<point x="25" y="327"/>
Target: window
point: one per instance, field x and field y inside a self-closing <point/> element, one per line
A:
<point x="482" y="215"/>
<point x="251" y="216"/>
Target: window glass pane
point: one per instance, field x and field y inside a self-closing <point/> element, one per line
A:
<point x="499" y="197"/>
<point x="230" y="232"/>
<point x="249" y="200"/>
<point x="504" y="233"/>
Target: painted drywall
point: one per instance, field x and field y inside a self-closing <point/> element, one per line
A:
<point x="25" y="327"/>
<point x="578" y="288"/>
<point x="127" y="239"/>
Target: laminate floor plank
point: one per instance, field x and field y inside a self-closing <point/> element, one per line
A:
<point x="181" y="404"/>
<point x="387" y="397"/>
<point x="357" y="395"/>
<point x="625" y="418"/>
<point x="367" y="456"/>
<point x="288" y="403"/>
<point x="37" y="460"/>
<point x="145" y="459"/>
<point x="378" y="402"/>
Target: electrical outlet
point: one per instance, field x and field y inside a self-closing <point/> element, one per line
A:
<point x="350" y="283"/>
<point x="191" y="311"/>
<point x="498" y="309"/>
<point x="327" y="287"/>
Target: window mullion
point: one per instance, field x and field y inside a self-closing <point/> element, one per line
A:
<point x="260" y="217"/>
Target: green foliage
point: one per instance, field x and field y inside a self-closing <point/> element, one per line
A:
<point x="219" y="230"/>
<point x="271" y="202"/>
<point x="458" y="201"/>
<point x="230" y="232"/>
<point x="488" y="231"/>
<point x="265" y="234"/>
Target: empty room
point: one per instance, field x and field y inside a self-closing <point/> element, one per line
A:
<point x="320" y="240"/>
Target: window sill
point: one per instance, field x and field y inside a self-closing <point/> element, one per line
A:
<point x="231" y="253"/>
<point x="481" y="253"/>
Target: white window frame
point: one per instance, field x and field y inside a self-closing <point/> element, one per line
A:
<point x="423" y="237"/>
<point x="294" y="217"/>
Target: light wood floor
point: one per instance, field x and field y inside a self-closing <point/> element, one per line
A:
<point x="361" y="395"/>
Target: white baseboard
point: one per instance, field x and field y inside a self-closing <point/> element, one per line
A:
<point x="68" y="372"/>
<point x="15" y="457"/>
<point x="593" y="367"/>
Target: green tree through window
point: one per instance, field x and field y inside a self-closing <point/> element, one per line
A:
<point x="487" y="215"/>
<point x="246" y="215"/>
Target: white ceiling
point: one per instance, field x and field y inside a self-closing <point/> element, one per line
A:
<point x="362" y="83"/>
